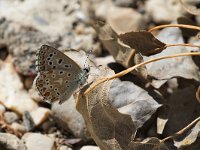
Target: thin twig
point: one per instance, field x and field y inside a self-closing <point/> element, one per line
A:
<point x="122" y="73"/>
<point x="174" y="25"/>
<point x="182" y="130"/>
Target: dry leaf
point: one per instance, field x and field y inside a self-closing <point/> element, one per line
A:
<point x="187" y="33"/>
<point x="143" y="42"/>
<point x="169" y="68"/>
<point x="149" y="144"/>
<point x="141" y="70"/>
<point x="189" y="138"/>
<point x="191" y="6"/>
<point x="109" y="128"/>
<point x="121" y="53"/>
<point x="130" y="99"/>
<point x="198" y="94"/>
<point x="163" y="113"/>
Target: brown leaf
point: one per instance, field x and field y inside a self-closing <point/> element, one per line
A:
<point x="189" y="138"/>
<point x="121" y="53"/>
<point x="109" y="128"/>
<point x="187" y="33"/>
<point x="198" y="94"/>
<point x="141" y="70"/>
<point x="149" y="144"/>
<point x="143" y="42"/>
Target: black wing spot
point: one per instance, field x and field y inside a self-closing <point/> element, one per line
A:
<point x="66" y="81"/>
<point x="59" y="61"/>
<point x="51" y="86"/>
<point x="69" y="74"/>
<point x="54" y="67"/>
<point x="53" y="75"/>
<point x="61" y="72"/>
<point x="67" y="85"/>
<point x="47" y="80"/>
<point x="48" y="58"/>
<point x="58" y="93"/>
<point x="50" y="63"/>
<point x="50" y="55"/>
<point x="54" y="53"/>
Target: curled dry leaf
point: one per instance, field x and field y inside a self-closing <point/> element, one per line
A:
<point x="187" y="33"/>
<point x="143" y="42"/>
<point x="109" y="128"/>
<point x="121" y="53"/>
<point x="190" y="137"/>
<point x="114" y="110"/>
<point x="149" y="144"/>
<point x="133" y="100"/>
<point x="169" y="68"/>
<point x="191" y="6"/>
<point x="198" y="94"/>
<point x="141" y="70"/>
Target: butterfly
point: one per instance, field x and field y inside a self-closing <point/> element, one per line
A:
<point x="58" y="75"/>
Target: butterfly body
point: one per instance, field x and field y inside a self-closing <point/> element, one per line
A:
<point x="59" y="76"/>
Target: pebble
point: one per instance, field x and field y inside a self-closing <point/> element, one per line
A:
<point x="124" y="20"/>
<point x="2" y="108"/>
<point x="39" y="115"/>
<point x="64" y="147"/>
<point x="69" y="118"/>
<point x="10" y="117"/>
<point x="11" y="142"/>
<point x="164" y="11"/>
<point x="18" y="127"/>
<point x="12" y="94"/>
<point x="37" y="141"/>
<point x="88" y="147"/>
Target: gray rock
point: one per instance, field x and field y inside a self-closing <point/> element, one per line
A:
<point x="10" y="117"/>
<point x="63" y="147"/>
<point x="37" y="141"/>
<point x="69" y="118"/>
<point x="89" y="147"/>
<point x="11" y="142"/>
<point x="164" y="11"/>
<point x="2" y="108"/>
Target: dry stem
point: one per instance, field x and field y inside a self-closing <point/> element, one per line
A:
<point x="135" y="67"/>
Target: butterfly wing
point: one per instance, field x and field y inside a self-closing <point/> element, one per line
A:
<point x="58" y="77"/>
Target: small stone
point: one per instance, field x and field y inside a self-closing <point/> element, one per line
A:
<point x="69" y="118"/>
<point x="18" y="127"/>
<point x="64" y="147"/>
<point x="89" y="147"/>
<point x="40" y="114"/>
<point x="2" y="108"/>
<point x="164" y="11"/>
<point x="10" y="141"/>
<point x="10" y="117"/>
<point x="37" y="141"/>
<point x="12" y="93"/>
